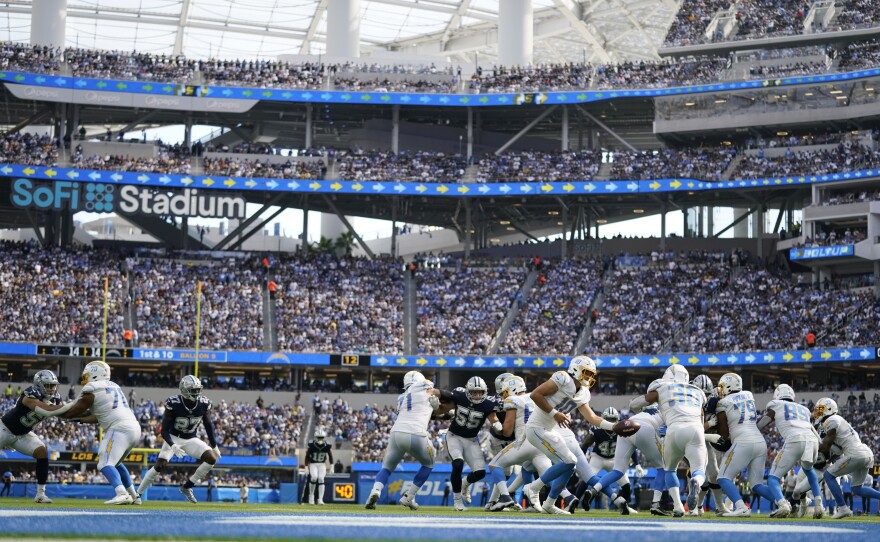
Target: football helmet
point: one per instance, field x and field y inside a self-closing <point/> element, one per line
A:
<point x="729" y="383"/>
<point x="704" y="383"/>
<point x="824" y="407"/>
<point x="413" y="377"/>
<point x="190" y="387"/>
<point x="46" y="382"/>
<point x="783" y="391"/>
<point x="676" y="373"/>
<point x="95" y="371"/>
<point x="320" y="434"/>
<point x="513" y="386"/>
<point x="500" y="381"/>
<point x="611" y="414"/>
<point x="476" y="389"/>
<point x="583" y="370"/>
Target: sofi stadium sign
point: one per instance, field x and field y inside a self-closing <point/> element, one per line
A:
<point x="125" y="199"/>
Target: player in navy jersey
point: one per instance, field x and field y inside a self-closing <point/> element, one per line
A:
<point x="473" y="407"/>
<point x="183" y="415"/>
<point x="16" y="427"/>
<point x="319" y="451"/>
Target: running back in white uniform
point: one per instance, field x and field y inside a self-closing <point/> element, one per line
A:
<point x="857" y="458"/>
<point x="681" y="406"/>
<point x="520" y="450"/>
<point x="749" y="450"/>
<point x="121" y="429"/>
<point x="801" y="441"/>
<point x="523" y="407"/>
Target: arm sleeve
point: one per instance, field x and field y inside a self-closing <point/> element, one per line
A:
<point x="166" y="427"/>
<point x="763" y="422"/>
<point x="446" y="396"/>
<point x="637" y="404"/>
<point x="209" y="430"/>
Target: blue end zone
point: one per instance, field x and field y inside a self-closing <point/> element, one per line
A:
<point x="416" y="526"/>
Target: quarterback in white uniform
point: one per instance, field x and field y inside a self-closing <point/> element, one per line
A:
<point x="681" y="405"/>
<point x="409" y="434"/>
<point x="801" y="447"/>
<point x="106" y="402"/>
<point x="548" y="431"/>
<point x="737" y="424"/>
<point x="518" y="408"/>
<point x="857" y="458"/>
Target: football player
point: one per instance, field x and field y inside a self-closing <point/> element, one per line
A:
<point x="17" y="424"/>
<point x="681" y="405"/>
<point x="317" y="455"/>
<point x="801" y="446"/>
<point x="519" y="407"/>
<point x="548" y="429"/>
<point x="183" y="415"/>
<point x="106" y="402"/>
<point x="409" y="434"/>
<point x="646" y="440"/>
<point x="857" y="458"/>
<point x="473" y="406"/>
<point x="802" y="489"/>
<point x="714" y="456"/>
<point x="604" y="445"/>
<point x="737" y="417"/>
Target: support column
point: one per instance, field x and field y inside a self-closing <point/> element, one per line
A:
<point x="742" y="228"/>
<point x="309" y="121"/>
<point x="663" y="227"/>
<point x="564" y="253"/>
<point x="395" y="129"/>
<point x="470" y="134"/>
<point x="187" y="132"/>
<point x="394" y="204"/>
<point x="759" y="230"/>
<point x="515" y="32"/>
<point x="564" y="127"/>
<point x="877" y="280"/>
<point x="467" y="229"/>
<point x="344" y="28"/>
<point x="710" y="221"/>
<point x="305" y="229"/>
<point x="49" y="23"/>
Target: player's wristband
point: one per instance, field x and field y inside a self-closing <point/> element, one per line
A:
<point x="553" y="413"/>
<point x="606" y="425"/>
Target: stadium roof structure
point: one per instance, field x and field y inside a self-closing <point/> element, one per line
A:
<point x="461" y="30"/>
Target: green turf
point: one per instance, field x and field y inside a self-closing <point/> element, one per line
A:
<point x="356" y="509"/>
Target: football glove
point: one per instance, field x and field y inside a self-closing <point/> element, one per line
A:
<point x="434" y="401"/>
<point x="216" y="451"/>
<point x="712" y="421"/>
<point x="640" y="471"/>
<point x="177" y="451"/>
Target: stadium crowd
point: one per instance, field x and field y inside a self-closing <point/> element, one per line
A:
<point x="847" y="156"/>
<point x="420" y="166"/>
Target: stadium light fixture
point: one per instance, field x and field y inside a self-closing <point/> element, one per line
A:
<point x="601" y="221"/>
<point x="638" y="211"/>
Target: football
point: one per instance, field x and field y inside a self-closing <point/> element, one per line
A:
<point x="625" y="428"/>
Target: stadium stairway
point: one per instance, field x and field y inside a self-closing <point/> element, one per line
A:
<point x="604" y="172"/>
<point x="586" y="333"/>
<point x="270" y="326"/>
<point x="410" y="315"/>
<point x="731" y="167"/>
<point x="522" y="296"/>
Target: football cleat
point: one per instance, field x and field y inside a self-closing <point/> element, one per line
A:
<point x="693" y="493"/>
<point x="819" y="510"/>
<point x="42" y="499"/>
<point x="408" y="501"/>
<point x="657" y="511"/>
<point x="533" y="495"/>
<point x="504" y="502"/>
<point x="530" y="510"/>
<point x="320" y="503"/>
<point x="588" y="498"/>
<point x="677" y="512"/>
<point x="188" y="493"/>
<point x="572" y="505"/>
<point x="627" y="511"/>
<point x="489" y="505"/>
<point x="372" y="500"/>
<point x="842" y="512"/>
<point x="120" y="499"/>
<point x="783" y="510"/>
<point x="465" y="490"/>
<point x="743" y="512"/>
<point x="549" y="507"/>
<point x="459" y="507"/>
<point x="694" y="512"/>
<point x="137" y="501"/>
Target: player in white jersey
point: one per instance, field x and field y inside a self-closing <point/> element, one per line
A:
<point x="681" y="405"/>
<point x="518" y="408"/>
<point x="857" y="458"/>
<point x="737" y="417"/>
<point x="409" y="434"/>
<point x="647" y="441"/>
<point x="106" y="403"/>
<point x="801" y="447"/>
<point x="548" y="431"/>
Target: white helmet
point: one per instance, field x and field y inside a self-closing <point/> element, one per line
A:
<point x="611" y="414"/>
<point x="46" y="382"/>
<point x="513" y="386"/>
<point x="676" y="373"/>
<point x="824" y="407"/>
<point x="783" y="391"/>
<point x="500" y="380"/>
<point x="95" y="371"/>
<point x="476" y="389"/>
<point x="413" y="377"/>
<point x="320" y="434"/>
<point x="704" y="383"/>
<point x="729" y="383"/>
<point x="190" y="387"/>
<point x="583" y="370"/>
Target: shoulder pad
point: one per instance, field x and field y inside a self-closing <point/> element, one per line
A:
<point x="88" y="388"/>
<point x="311" y="443"/>
<point x="204" y="400"/>
<point x="655" y="385"/>
<point x="509" y="404"/>
<point x="33" y="393"/>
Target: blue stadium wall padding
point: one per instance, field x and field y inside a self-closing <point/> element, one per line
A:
<point x="289" y="494"/>
<point x="155" y="493"/>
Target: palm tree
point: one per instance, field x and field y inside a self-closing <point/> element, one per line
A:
<point x="345" y="242"/>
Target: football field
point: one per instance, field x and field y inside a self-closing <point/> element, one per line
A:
<point x="91" y="520"/>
